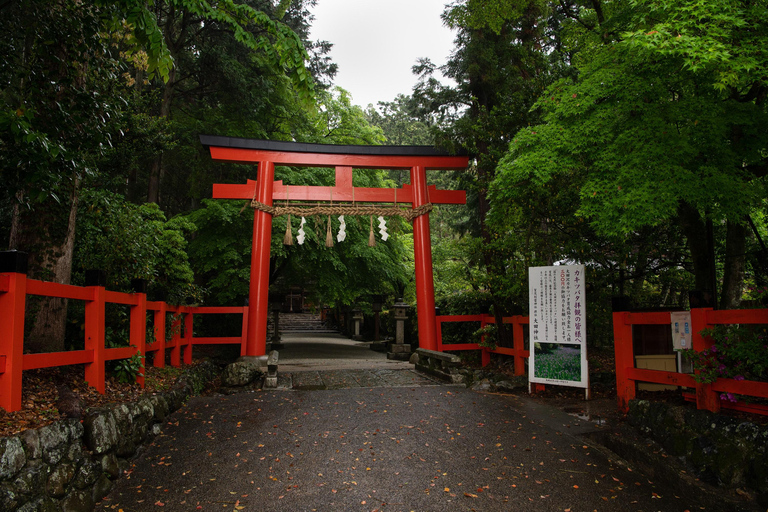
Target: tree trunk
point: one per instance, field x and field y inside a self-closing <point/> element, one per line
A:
<point x="156" y="171"/>
<point x="39" y="233"/>
<point x="694" y="229"/>
<point x="735" y="259"/>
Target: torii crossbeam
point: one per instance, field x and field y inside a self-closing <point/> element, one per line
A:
<point x="267" y="154"/>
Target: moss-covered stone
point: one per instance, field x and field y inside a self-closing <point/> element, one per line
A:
<point x="12" y="457"/>
<point x="32" y="478"/>
<point x="720" y="449"/>
<point x="59" y="480"/>
<point x="77" y="501"/>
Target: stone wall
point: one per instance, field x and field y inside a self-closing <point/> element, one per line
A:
<point x="70" y="465"/>
<point x="722" y="450"/>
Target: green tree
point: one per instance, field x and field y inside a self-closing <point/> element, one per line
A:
<point x="236" y="58"/>
<point x="503" y="60"/>
<point x="129" y="241"/>
<point x="400" y="122"/>
<point x="647" y="137"/>
<point x="58" y="100"/>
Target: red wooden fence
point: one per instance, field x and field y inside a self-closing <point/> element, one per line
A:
<point x="14" y="289"/>
<point x="707" y="396"/>
<point x="517" y="351"/>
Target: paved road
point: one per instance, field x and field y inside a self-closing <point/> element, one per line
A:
<point x="377" y="436"/>
<point x="326" y="351"/>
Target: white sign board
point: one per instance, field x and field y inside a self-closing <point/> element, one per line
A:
<point x="558" y="334"/>
<point x="681" y="330"/>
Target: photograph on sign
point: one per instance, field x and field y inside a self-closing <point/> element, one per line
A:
<point x="557" y="362"/>
<point x="558" y="348"/>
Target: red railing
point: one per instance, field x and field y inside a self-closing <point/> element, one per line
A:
<point x="14" y="289"/>
<point x="517" y="351"/>
<point x="707" y="395"/>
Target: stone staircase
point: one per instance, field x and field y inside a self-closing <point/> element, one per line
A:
<point x="303" y="322"/>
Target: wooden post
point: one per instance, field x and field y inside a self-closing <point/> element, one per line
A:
<point x="519" y="344"/>
<point x="244" y="331"/>
<point x="95" y="373"/>
<point x="258" y="293"/>
<point x="485" y="356"/>
<point x="188" y="319"/>
<point x="176" y="340"/>
<point x="706" y="398"/>
<point x="623" y="349"/>
<point x="422" y="253"/>
<point x="138" y="326"/>
<point x="13" y="297"/>
<point x="159" y="329"/>
<point x="439" y="333"/>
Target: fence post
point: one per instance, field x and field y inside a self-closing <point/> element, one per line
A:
<point x="706" y="398"/>
<point x="188" y="321"/>
<point x="623" y="349"/>
<point x="485" y="355"/>
<point x="176" y="340"/>
<point x="439" y="333"/>
<point x="95" y="376"/>
<point x="159" y="328"/>
<point x="13" y="268"/>
<point x="139" y="324"/>
<point x="518" y="344"/>
<point x="244" y="342"/>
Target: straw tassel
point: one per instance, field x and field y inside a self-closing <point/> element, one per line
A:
<point x="371" y="236"/>
<point x="329" y="234"/>
<point x="288" y="239"/>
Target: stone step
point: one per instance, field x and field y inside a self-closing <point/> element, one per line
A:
<point x="302" y="322"/>
<point x="345" y="379"/>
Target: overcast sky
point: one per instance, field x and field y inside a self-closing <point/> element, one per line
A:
<point x="376" y="42"/>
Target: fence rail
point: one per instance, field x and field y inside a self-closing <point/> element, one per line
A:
<point x="707" y="395"/>
<point x="517" y="351"/>
<point x="15" y="287"/>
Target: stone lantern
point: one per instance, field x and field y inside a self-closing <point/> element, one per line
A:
<point x="357" y="317"/>
<point x="399" y="350"/>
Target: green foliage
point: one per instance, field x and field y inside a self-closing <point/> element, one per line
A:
<point x="618" y="121"/>
<point x="338" y="121"/>
<point x="58" y="97"/>
<point x="399" y="122"/>
<point x="739" y="352"/>
<point x="126" y="370"/>
<point x="724" y="40"/>
<point x="487" y="336"/>
<point x="640" y="133"/>
<point x="130" y="241"/>
<point x="220" y="251"/>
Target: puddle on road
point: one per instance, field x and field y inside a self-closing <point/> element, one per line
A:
<point x="583" y="413"/>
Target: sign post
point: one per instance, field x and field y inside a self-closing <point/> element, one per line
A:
<point x="558" y="335"/>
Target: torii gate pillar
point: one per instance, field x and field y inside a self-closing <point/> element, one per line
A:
<point x="258" y="291"/>
<point x="343" y="158"/>
<point x="422" y="256"/>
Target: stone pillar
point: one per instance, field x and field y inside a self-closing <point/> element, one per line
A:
<point x="399" y="350"/>
<point x="275" y="340"/>
<point x="376" y="306"/>
<point x="357" y="316"/>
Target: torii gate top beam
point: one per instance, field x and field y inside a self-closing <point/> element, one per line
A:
<point x="233" y="149"/>
<point x="343" y="159"/>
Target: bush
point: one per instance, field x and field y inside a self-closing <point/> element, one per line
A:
<point x="739" y="352"/>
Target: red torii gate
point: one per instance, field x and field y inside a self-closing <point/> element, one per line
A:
<point x="267" y="154"/>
